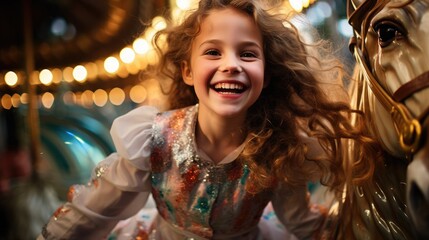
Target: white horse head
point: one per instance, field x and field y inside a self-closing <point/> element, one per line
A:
<point x="391" y="46"/>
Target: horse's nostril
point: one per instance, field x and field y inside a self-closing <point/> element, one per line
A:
<point x="418" y="209"/>
<point x="418" y="203"/>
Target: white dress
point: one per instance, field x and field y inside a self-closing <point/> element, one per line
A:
<point x="123" y="182"/>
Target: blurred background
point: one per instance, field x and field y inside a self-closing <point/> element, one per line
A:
<point x="67" y="69"/>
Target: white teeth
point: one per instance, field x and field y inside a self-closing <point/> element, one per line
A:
<point x="228" y="86"/>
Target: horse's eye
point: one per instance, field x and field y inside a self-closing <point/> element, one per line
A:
<point x="388" y="32"/>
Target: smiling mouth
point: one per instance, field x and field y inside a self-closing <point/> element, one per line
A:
<point x="229" y="88"/>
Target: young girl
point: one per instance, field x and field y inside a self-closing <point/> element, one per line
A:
<point x="250" y="125"/>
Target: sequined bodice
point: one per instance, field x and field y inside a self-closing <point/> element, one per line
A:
<point x="194" y="194"/>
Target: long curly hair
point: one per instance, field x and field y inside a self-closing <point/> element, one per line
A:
<point x="294" y="102"/>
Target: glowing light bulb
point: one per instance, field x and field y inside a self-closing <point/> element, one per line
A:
<point x="127" y="55"/>
<point x="80" y="73"/>
<point x="141" y="46"/>
<point x="111" y="64"/>
<point x="11" y="78"/>
<point x="45" y="76"/>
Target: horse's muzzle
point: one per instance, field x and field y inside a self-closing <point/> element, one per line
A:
<point x="418" y="187"/>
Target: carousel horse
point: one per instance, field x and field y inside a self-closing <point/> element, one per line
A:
<point x="73" y="140"/>
<point x="72" y="145"/>
<point x="391" y="48"/>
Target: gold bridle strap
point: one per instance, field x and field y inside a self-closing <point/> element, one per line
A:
<point x="408" y="128"/>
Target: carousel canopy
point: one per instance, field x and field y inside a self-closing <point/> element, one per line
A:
<point x="67" y="32"/>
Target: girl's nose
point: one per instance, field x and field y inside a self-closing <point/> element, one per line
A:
<point x="230" y="64"/>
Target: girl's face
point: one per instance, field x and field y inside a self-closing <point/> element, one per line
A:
<point x="227" y="63"/>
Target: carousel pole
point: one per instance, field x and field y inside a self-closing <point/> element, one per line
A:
<point x="31" y="201"/>
<point x="33" y="130"/>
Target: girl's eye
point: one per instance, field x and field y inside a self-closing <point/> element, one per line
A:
<point x="388" y="32"/>
<point x="248" y="55"/>
<point x="212" y="52"/>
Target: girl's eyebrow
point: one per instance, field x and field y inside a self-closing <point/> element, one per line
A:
<point x="243" y="43"/>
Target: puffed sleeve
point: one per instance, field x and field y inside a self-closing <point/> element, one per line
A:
<point x="293" y="208"/>
<point x="119" y="188"/>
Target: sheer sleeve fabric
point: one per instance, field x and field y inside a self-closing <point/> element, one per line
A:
<point x="119" y="188"/>
<point x="293" y="208"/>
<point x="292" y="204"/>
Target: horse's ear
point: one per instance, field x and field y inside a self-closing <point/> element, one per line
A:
<point x="357" y="11"/>
<point x="352" y="5"/>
